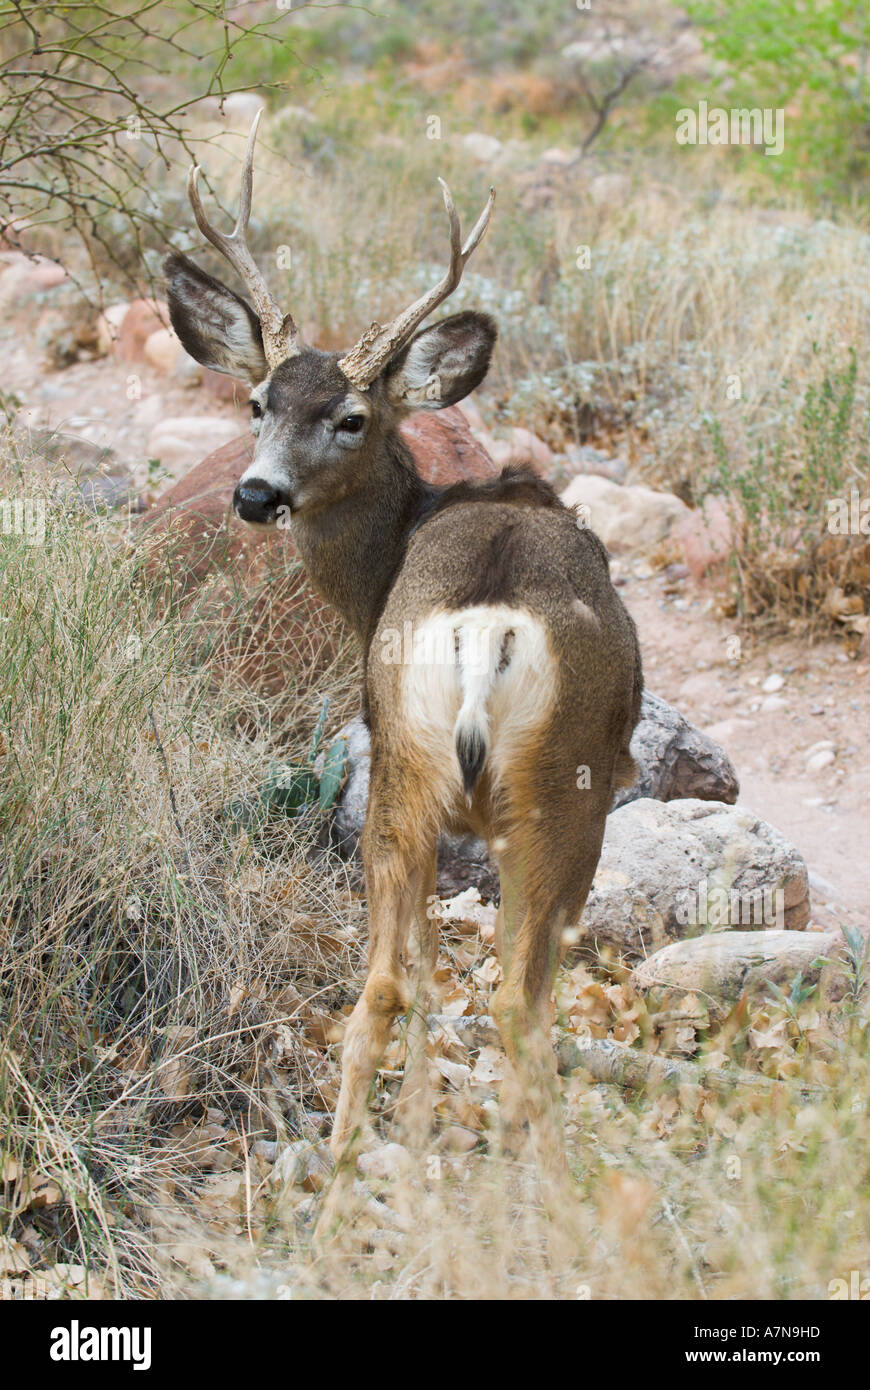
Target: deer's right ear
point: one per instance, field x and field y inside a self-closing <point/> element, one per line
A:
<point x="214" y="324"/>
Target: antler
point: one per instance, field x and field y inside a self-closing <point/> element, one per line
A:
<point x="377" y="345"/>
<point x="281" y="337"/>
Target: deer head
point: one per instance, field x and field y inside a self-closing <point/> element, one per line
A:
<point x="322" y="420"/>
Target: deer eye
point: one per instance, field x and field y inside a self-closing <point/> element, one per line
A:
<point x="352" y="424"/>
<point x="256" y="409"/>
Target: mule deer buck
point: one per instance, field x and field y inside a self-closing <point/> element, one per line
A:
<point x="525" y="670"/>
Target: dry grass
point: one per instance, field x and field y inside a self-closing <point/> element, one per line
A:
<point x="149" y="948"/>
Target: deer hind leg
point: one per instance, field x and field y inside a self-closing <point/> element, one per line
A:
<point x="543" y="892"/>
<point x="413" y="1116"/>
<point x="521" y="1009"/>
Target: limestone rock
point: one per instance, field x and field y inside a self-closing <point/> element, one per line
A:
<point x="627" y="518"/>
<point x="674" y="869"/>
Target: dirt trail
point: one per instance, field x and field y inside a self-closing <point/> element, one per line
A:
<point x="824" y="699"/>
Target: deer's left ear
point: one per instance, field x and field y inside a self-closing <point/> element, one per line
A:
<point x="443" y="363"/>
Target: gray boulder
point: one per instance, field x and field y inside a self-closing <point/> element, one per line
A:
<point x="670" y="870"/>
<point x="81" y="473"/>
<point x="723" y="965"/>
<point x="676" y="760"/>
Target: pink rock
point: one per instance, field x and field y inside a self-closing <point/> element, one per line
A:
<point x="223" y="387"/>
<point x="162" y="349"/>
<point x="143" y="317"/>
<point x="526" y="445"/>
<point x="706" y="536"/>
<point x="109" y="326"/>
<point x="502" y="452"/>
<point x="45" y="275"/>
<point x="203" y="537"/>
<point x="23" y="276"/>
<point x="471" y="413"/>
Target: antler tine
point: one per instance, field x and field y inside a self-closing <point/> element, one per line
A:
<point x="281" y="337"/>
<point x="377" y="345"/>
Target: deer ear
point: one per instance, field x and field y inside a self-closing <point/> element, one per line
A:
<point x="215" y="325"/>
<point x="443" y="363"/>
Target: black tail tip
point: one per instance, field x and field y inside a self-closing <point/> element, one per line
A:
<point x="471" y="752"/>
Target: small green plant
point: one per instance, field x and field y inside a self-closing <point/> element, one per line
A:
<point x="778" y="498"/>
<point x="856" y="958"/>
<point x="294" y="789"/>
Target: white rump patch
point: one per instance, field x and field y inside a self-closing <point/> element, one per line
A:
<point x="487" y="671"/>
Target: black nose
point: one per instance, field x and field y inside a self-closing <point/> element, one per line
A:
<point x="256" y="501"/>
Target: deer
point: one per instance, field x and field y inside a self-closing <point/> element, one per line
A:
<point x="513" y="715"/>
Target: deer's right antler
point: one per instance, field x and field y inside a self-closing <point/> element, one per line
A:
<point x="377" y="345"/>
<point x="281" y="337"/>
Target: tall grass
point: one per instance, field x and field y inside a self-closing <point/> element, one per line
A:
<point x="140" y="978"/>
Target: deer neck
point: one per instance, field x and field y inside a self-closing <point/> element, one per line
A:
<point x="353" y="549"/>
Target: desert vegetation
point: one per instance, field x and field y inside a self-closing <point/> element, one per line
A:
<point x="181" y="938"/>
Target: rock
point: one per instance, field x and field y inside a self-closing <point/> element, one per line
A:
<point x="241" y="107"/>
<point x="149" y="411"/>
<point x="445" y="451"/>
<point x="180" y="442"/>
<point x="706" y="536"/>
<point x="470" y="412"/>
<point x="80" y="472"/>
<point x="773" y="703"/>
<point x="463" y="861"/>
<point x="45" y="275"/>
<point x="527" y="446"/>
<point x="582" y="458"/>
<point x="823" y="744"/>
<point x="389" y="1161"/>
<point x="727" y="964"/>
<point x="303" y="1164"/>
<point x="559" y="158"/>
<point x="23" y="276"/>
<point x="162" y="349"/>
<point x="773" y="683"/>
<point x="350" y="813"/>
<point x="669" y="869"/>
<point x="675" y="759"/>
<point x="483" y="148"/>
<point x="65" y="329"/>
<point x="627" y="518"/>
<point x="819" y="761"/>
<point x="521" y="446"/>
<point x="109" y="327"/>
<point x="143" y="317"/>
<point x="455" y="1139"/>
